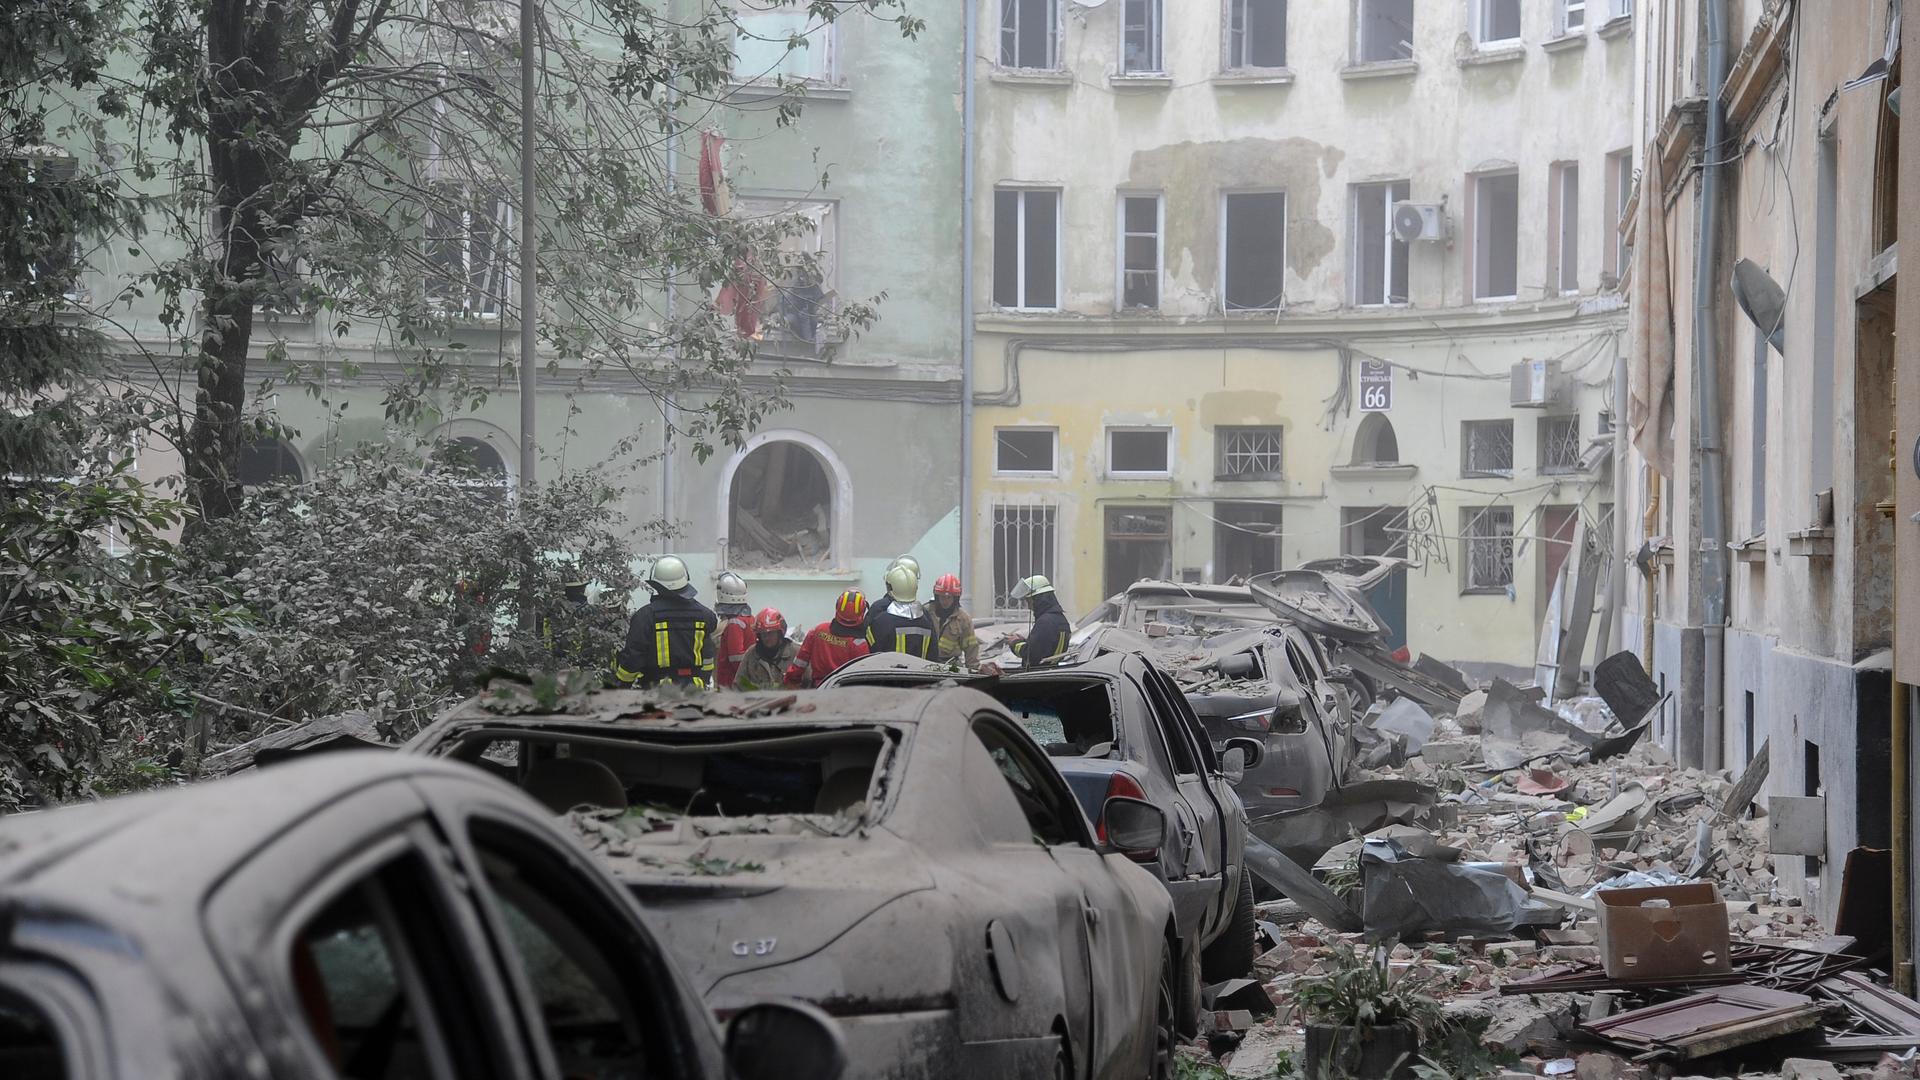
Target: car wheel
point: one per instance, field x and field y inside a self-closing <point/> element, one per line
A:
<point x="1231" y="954"/>
<point x="1360" y="692"/>
<point x="1166" y="1034"/>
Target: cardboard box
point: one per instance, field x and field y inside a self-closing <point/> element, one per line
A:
<point x="1684" y="932"/>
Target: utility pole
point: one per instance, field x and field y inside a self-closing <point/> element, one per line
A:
<point x="529" y="302"/>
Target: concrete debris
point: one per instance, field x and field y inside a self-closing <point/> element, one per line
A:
<point x="1809" y="1069"/>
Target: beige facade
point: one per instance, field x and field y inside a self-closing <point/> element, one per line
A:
<point x="1194" y="324"/>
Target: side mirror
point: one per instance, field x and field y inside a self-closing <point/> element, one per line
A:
<point x="1252" y="751"/>
<point x="1233" y="764"/>
<point x="784" y="1040"/>
<point x="1134" y="827"/>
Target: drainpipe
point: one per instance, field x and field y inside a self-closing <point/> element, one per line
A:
<point x="1902" y="858"/>
<point x="1615" y="635"/>
<point x="1707" y="453"/>
<point x="969" y="38"/>
<point x="1648" y="524"/>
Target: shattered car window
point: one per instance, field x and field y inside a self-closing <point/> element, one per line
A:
<point x="1069" y="719"/>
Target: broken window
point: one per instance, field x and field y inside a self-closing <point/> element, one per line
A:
<point x="763" y="49"/>
<point x="1383" y="30"/>
<point x="477" y="465"/>
<point x="1563" y="214"/>
<point x="1619" y="190"/>
<point x="1023" y="543"/>
<point x="1253" y="249"/>
<point x="469" y="234"/>
<point x="268" y="460"/>
<point x="1256" y="34"/>
<point x="1374" y="442"/>
<point x="1140" y="224"/>
<point x="1246" y="540"/>
<point x="1067" y="717"/>
<point x="1486" y="448"/>
<point x="1373" y="530"/>
<point x="1026" y="248"/>
<point x="1024" y="450"/>
<point x="798" y="298"/>
<point x="1560" y="446"/>
<point x="1573" y="16"/>
<point x="1487" y="539"/>
<point x="1496" y="21"/>
<point x="1140" y="37"/>
<point x="1139" y="546"/>
<point x="1247" y="453"/>
<point x="1379" y="257"/>
<point x="1496" y="236"/>
<point x="1139" y="452"/>
<point x="780" y="509"/>
<point x="1030" y="34"/>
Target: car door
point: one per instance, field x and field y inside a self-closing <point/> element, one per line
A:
<point x="1196" y="793"/>
<point x="1329" y="701"/>
<point x="353" y="953"/>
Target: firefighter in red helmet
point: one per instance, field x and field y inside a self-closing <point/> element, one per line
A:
<point x="832" y="643"/>
<point x="952" y="626"/>
<point x="764" y="667"/>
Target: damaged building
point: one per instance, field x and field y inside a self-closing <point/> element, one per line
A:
<point x="1310" y="279"/>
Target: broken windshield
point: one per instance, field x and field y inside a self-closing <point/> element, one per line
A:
<point x="1067" y="718"/>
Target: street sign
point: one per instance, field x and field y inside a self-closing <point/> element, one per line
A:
<point x="1376" y="386"/>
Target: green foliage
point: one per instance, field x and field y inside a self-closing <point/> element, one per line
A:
<point x="394" y="584"/>
<point x="1360" y="992"/>
<point x="1186" y="1068"/>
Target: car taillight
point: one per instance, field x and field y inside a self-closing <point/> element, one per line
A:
<point x="1282" y="793"/>
<point x="1258" y="722"/>
<point x="1290" y="721"/>
<point x="1121" y="784"/>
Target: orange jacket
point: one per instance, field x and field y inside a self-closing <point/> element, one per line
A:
<point x="826" y="648"/>
<point x="735" y="639"/>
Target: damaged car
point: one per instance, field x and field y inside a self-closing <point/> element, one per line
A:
<point x="908" y="862"/>
<point x="361" y="915"/>
<point x="1116" y="727"/>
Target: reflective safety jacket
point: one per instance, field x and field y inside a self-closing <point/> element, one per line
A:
<point x="828" y="646"/>
<point x="736" y="638"/>
<point x="669" y="640"/>
<point x="902" y="627"/>
<point x="1050" y="634"/>
<point x="758" y="671"/>
<point x="954" y="637"/>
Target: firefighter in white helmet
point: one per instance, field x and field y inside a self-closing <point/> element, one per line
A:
<point x="671" y="640"/>
<point x="736" y="633"/>
<point x="902" y="624"/>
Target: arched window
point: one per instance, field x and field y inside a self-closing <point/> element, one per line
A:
<point x="780" y="509"/>
<point x="480" y="464"/>
<point x="267" y="460"/>
<point x="1375" y="443"/>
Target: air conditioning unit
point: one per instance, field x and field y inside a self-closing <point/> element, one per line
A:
<point x="1419" y="221"/>
<point x="1536" y="384"/>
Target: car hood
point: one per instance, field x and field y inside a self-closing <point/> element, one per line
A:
<point x="1317" y="603"/>
<point x="729" y="898"/>
<point x="1359" y="572"/>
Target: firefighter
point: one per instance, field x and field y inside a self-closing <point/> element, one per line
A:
<point x="907" y="561"/>
<point x="903" y="625"/>
<point x="833" y="643"/>
<point x="671" y="639"/>
<point x="766" y="663"/>
<point x="736" y="637"/>
<point x="1051" y="631"/>
<point x="952" y="627"/>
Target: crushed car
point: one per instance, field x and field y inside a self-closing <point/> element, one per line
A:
<point x="360" y="914"/>
<point x="908" y="862"/>
<point x="1115" y="726"/>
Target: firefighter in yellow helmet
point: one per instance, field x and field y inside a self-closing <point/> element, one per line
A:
<point x="672" y="639"/>
<point x="901" y="624"/>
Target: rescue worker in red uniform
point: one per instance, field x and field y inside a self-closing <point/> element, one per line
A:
<point x="831" y="644"/>
<point x="670" y="640"/>
<point x="736" y="637"/>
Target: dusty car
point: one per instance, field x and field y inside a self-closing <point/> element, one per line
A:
<point x="360" y="914"/>
<point x="1115" y="726"/>
<point x="907" y="861"/>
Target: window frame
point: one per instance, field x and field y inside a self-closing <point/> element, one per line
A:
<point x="1139" y="429"/>
<point x="1619" y="186"/>
<point x="1224" y="432"/>
<point x="1357" y="44"/>
<point x="1470" y="518"/>
<point x="1227" y="196"/>
<point x="1564" y="213"/>
<point x="1482" y="22"/>
<point x="1545" y="440"/>
<point x="1053" y="445"/>
<point x="1055" y="33"/>
<point x="1467" y="428"/>
<point x="825" y="240"/>
<point x="1019" y="746"/>
<point x="1393" y="243"/>
<point x="1232" y="38"/>
<point x="823" y="41"/>
<point x="506" y="239"/>
<point x="1477" y="244"/>
<point x="1022" y="193"/>
<point x="1156" y="32"/>
<point x="1121" y="270"/>
<point x="1231" y="516"/>
<point x="1563" y="18"/>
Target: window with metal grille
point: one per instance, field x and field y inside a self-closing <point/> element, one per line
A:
<point x="1140" y="37"/>
<point x="1023" y="545"/>
<point x="1486" y="448"/>
<point x="469" y="234"/>
<point x="1486" y="539"/>
<point x="1560" y="446"/>
<point x="1256" y="34"/>
<point x="1030" y="34"/>
<point x="1247" y="453"/>
<point x="1140" y="220"/>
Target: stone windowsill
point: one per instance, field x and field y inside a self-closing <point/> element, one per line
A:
<point x="811" y="91"/>
<point x="1031" y="77"/>
<point x="1255" y="77"/>
<point x="1153" y="80"/>
<point x="1814" y="543"/>
<point x="1617" y="27"/>
<point x="1498" y="54"/>
<point x="1751" y="550"/>
<point x="1565" y="42"/>
<point x="798" y="576"/>
<point x="1399" y="471"/>
<point x="1380" y="69"/>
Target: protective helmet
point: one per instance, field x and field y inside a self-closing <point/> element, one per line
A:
<point x="1027" y="588"/>
<point x="850" y="609"/>
<point x="907" y="561"/>
<point x="730" y="588"/>
<point x="669" y="574"/>
<point x="903" y="583"/>
<point x="769" y="620"/>
<point x="948" y="585"/>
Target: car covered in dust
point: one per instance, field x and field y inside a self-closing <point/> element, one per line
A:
<point x="1114" y="725"/>
<point x="908" y="862"/>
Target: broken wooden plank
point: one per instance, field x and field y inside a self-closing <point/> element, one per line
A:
<point x="1748" y="786"/>
<point x="1709" y="1023"/>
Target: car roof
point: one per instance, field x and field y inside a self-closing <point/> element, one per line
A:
<point x="1225" y="594"/>
<point x="673" y="709"/>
